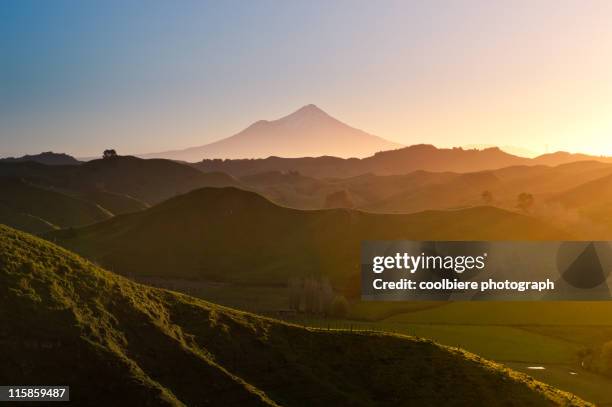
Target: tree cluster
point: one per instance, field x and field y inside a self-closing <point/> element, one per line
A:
<point x="315" y="296"/>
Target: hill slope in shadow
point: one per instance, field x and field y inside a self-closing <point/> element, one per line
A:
<point x="114" y="341"/>
<point x="227" y="234"/>
<point x="149" y="181"/>
<point x="35" y="209"/>
<point x="47" y="158"/>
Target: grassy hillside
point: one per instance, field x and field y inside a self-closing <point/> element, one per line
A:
<point x="524" y="335"/>
<point x="226" y="234"/>
<point x="67" y="321"/>
<point x="149" y="181"/>
<point x="35" y="209"/>
<point x="23" y="221"/>
<point x="117" y="204"/>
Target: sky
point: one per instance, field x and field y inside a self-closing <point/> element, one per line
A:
<point x="81" y="76"/>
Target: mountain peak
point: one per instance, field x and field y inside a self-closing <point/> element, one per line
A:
<point x="308" y="111"/>
<point x="310" y="107"/>
<point x="307" y="132"/>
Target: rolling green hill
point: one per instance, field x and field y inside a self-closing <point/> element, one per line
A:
<point x="34" y="209"/>
<point x="66" y="321"/>
<point x="231" y="235"/>
<point x="117" y="204"/>
<point x="23" y="221"/>
<point x="149" y="181"/>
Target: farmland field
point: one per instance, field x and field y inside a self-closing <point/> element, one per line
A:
<point x="549" y="336"/>
<point x="517" y="334"/>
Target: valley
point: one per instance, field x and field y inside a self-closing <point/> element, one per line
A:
<point x="118" y="329"/>
<point x="231" y="243"/>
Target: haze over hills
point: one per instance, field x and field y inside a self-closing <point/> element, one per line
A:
<point x="463" y="190"/>
<point x="514" y="150"/>
<point x="591" y="200"/>
<point x="303" y="192"/>
<point x="120" y="185"/>
<point x="595" y="192"/>
<point x="104" y="335"/>
<point x="394" y="162"/>
<point x="504" y="186"/>
<point x="231" y="235"/>
<point x="397" y="161"/>
<point x="563" y="157"/>
<point x="307" y="132"/>
<point x="546" y="184"/>
<point x="423" y="190"/>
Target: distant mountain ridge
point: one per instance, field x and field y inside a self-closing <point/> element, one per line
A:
<point x="392" y="162"/>
<point x="47" y="158"/>
<point x="419" y="157"/>
<point x="514" y="150"/>
<point x="306" y="132"/>
<point x="563" y="157"/>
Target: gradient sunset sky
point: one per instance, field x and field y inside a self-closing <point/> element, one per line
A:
<point x="146" y="76"/>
